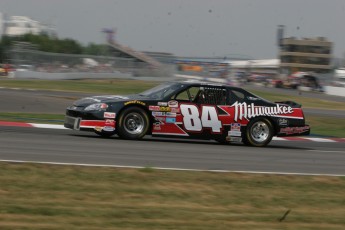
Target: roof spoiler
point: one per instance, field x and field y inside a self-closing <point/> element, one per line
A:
<point x="290" y="103"/>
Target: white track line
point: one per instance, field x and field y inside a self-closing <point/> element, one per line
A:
<point x="279" y="139"/>
<point x="173" y="169"/>
<point x="47" y="126"/>
<point x="326" y="151"/>
<point x="319" y="139"/>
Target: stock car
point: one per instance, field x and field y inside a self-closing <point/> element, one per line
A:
<point x="198" y="110"/>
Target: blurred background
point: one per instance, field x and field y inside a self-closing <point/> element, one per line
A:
<point x="296" y="45"/>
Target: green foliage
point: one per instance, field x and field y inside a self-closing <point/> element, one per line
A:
<point x="94" y="49"/>
<point x="48" y="43"/>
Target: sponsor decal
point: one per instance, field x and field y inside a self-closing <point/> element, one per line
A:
<point x="173" y="104"/>
<point x="98" y="128"/>
<point x="135" y="102"/>
<point x="160" y="119"/>
<point x="110" y="122"/>
<point x="175" y="110"/>
<point x="170" y="120"/>
<point x="253" y="98"/>
<point x="154" y="108"/>
<point x="282" y="122"/>
<point x="235" y="127"/>
<point x="162" y="103"/>
<point x="158" y="114"/>
<point x="245" y="111"/>
<point x="235" y="130"/>
<point x="164" y="109"/>
<point x="170" y="114"/>
<point x="235" y="133"/>
<point x="294" y="130"/>
<point x="157" y="126"/>
<point x="109" y="129"/>
<point x="109" y="115"/>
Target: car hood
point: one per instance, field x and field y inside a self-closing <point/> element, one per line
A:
<point x="101" y="99"/>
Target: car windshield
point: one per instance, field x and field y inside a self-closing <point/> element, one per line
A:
<point x="161" y="91"/>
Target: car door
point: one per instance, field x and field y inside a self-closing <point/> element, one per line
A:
<point x="199" y="112"/>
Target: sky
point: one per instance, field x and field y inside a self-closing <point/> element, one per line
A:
<point x="203" y="28"/>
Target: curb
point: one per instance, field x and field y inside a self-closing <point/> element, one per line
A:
<point x="51" y="126"/>
<point x="310" y="139"/>
<point x="30" y="125"/>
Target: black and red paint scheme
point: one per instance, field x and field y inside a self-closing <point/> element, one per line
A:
<point x="189" y="109"/>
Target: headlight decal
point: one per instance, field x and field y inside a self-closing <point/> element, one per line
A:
<point x="96" y="107"/>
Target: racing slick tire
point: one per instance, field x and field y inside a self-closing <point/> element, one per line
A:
<point x="259" y="132"/>
<point x="133" y="123"/>
<point x="104" y="133"/>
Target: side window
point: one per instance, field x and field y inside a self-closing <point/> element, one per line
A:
<point x="236" y="96"/>
<point x="194" y="91"/>
<point x="188" y="95"/>
<point x="212" y="96"/>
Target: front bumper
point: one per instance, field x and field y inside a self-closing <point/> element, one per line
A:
<point x="72" y="122"/>
<point x="76" y="123"/>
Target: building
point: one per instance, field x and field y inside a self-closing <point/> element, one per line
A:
<point x="1" y="24"/>
<point x="264" y="67"/>
<point x="306" y="55"/>
<point x="20" y="25"/>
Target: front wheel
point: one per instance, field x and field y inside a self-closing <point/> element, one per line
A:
<point x="133" y="123"/>
<point x="259" y="133"/>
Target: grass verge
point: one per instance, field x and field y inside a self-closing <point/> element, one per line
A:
<point x="34" y="196"/>
<point x="306" y="102"/>
<point x="33" y="118"/>
<point x="115" y="86"/>
<point x="119" y="86"/>
<point x="326" y="126"/>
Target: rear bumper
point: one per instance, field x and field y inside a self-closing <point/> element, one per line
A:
<point x="294" y="131"/>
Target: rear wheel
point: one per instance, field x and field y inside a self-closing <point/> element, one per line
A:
<point x="259" y="133"/>
<point x="133" y="123"/>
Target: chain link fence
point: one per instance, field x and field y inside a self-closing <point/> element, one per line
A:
<point x="26" y="57"/>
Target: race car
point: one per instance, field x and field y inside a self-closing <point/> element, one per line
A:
<point x="198" y="110"/>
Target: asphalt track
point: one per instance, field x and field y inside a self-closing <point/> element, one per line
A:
<point x="67" y="146"/>
<point x="73" y="147"/>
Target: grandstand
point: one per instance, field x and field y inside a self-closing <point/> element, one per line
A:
<point x="119" y="50"/>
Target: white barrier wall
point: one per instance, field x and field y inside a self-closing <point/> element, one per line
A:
<point x="336" y="91"/>
<point x="65" y="76"/>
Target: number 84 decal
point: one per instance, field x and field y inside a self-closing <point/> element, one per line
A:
<point x="194" y="121"/>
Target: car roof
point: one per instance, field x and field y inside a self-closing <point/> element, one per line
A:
<point x="206" y="83"/>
